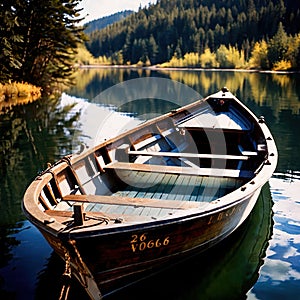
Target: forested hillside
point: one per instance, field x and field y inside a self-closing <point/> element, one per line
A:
<point x="177" y="27"/>
<point x="105" y="21"/>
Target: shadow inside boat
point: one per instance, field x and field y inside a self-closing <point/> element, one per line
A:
<point x="225" y="271"/>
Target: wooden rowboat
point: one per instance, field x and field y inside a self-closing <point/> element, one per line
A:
<point x="169" y="188"/>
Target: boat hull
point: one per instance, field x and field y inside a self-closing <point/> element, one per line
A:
<point x="121" y="258"/>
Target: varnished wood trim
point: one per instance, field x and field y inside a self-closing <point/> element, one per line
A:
<point x="68" y="214"/>
<point x="180" y="170"/>
<point x="191" y="155"/>
<point x="172" y="204"/>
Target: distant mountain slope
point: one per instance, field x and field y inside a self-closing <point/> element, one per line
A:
<point x="105" y="21"/>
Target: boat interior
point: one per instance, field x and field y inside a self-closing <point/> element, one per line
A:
<point x="185" y="160"/>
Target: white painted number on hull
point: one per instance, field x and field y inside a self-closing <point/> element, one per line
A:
<point x="141" y="242"/>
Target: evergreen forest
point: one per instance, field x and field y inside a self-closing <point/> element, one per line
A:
<point x="38" y="40"/>
<point x="207" y="33"/>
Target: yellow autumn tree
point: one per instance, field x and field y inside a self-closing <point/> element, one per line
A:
<point x="208" y="59"/>
<point x="230" y="57"/>
<point x="282" y="65"/>
<point x="293" y="51"/>
<point x="191" y="59"/>
<point x="259" y="56"/>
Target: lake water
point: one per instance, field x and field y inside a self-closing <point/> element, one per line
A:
<point x="259" y="261"/>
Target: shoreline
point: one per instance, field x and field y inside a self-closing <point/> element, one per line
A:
<point x="189" y="69"/>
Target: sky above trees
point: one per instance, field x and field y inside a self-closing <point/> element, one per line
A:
<point x="101" y="8"/>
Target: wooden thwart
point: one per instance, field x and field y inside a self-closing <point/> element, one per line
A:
<point x="233" y="173"/>
<point x="145" y="202"/>
<point x="190" y="155"/>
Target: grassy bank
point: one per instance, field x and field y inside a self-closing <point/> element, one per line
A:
<point x="16" y="93"/>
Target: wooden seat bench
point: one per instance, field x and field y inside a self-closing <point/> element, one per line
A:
<point x="193" y="171"/>
<point x="188" y="155"/>
<point x="144" y="202"/>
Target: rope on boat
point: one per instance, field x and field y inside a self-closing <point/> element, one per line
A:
<point x="102" y="219"/>
<point x="81" y="264"/>
<point x="70" y="226"/>
<point x="66" y="277"/>
<point x="84" y="274"/>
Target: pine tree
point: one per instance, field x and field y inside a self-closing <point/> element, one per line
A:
<point x="50" y="35"/>
<point x="152" y="49"/>
<point x="278" y="46"/>
<point x="10" y="41"/>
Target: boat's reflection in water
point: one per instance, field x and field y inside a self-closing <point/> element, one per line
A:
<point x="226" y="271"/>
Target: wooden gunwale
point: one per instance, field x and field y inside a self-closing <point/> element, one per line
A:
<point x="63" y="215"/>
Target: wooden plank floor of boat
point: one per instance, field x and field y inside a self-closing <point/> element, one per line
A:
<point x="152" y="195"/>
<point x="166" y="187"/>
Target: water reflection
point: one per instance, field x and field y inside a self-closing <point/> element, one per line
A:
<point x="26" y="259"/>
<point x="91" y="82"/>
<point x="280" y="274"/>
<point x="95" y="123"/>
<point x="145" y="96"/>
<point x="279" y="91"/>
<point x="30" y="136"/>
